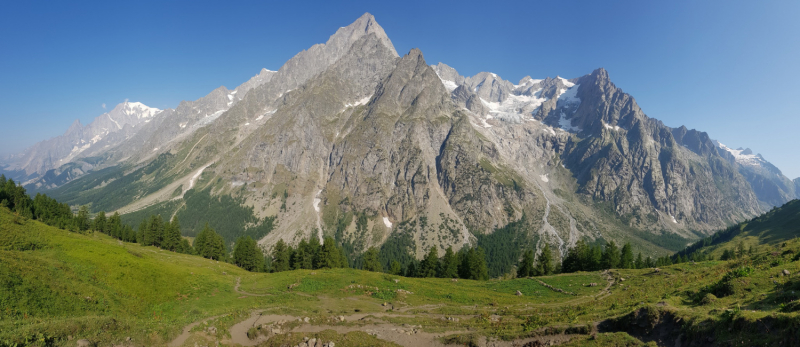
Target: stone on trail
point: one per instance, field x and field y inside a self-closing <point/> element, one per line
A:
<point x="84" y="343"/>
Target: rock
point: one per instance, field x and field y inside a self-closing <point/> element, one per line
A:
<point x="786" y="272"/>
<point x="657" y="270"/>
<point x="306" y="319"/>
<point x="224" y="273"/>
<point x="318" y="344"/>
<point x="622" y="279"/>
<point x="128" y="339"/>
<point x="331" y="344"/>
<point x="312" y="342"/>
<point x="341" y="318"/>
<point x="385" y="304"/>
<point x="454" y="280"/>
<point x="84" y="343"/>
<point x="592" y="284"/>
<point x="396" y="281"/>
<point x="519" y="293"/>
<point x="211" y="330"/>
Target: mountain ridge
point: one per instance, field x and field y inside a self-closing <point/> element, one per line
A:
<point x="347" y="139"/>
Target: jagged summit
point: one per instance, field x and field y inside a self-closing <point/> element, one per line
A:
<point x="350" y="140"/>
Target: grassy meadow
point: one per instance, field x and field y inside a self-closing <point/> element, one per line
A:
<point x="57" y="287"/>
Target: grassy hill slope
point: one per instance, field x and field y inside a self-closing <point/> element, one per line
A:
<point x="56" y="285"/>
<point x="770" y="229"/>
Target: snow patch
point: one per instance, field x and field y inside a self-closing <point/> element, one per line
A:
<point x="139" y="110"/>
<point x="569" y="96"/>
<point x="155" y="149"/>
<point x="115" y="122"/>
<point x="568" y="84"/>
<point x="673" y="219"/>
<point x="246" y="124"/>
<point x="387" y="222"/>
<point x="565" y="124"/>
<point x="96" y="138"/>
<point x="363" y="101"/>
<point x="616" y="127"/>
<point x="544" y="178"/>
<point x="741" y="158"/>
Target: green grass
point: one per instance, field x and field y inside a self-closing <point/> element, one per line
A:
<point x="55" y="284"/>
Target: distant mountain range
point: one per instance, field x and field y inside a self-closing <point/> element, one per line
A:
<point x="351" y="140"/>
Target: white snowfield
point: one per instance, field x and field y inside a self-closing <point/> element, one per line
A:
<point x="743" y="159"/>
<point x="387" y="222"/>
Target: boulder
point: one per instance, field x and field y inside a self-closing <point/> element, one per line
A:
<point x="84" y="343"/>
<point x="786" y="272"/>
<point x="519" y="293"/>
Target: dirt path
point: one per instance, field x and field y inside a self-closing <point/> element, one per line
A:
<point x="403" y="335"/>
<point x="236" y="289"/>
<point x="178" y="341"/>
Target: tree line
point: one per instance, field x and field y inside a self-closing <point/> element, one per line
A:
<point x="42" y="207"/>
<point x="468" y="263"/>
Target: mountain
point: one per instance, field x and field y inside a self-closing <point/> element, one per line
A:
<point x="105" y="131"/>
<point x="350" y="140"/>
<point x="797" y="187"/>
<point x="768" y="182"/>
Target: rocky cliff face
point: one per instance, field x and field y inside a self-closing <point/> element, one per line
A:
<point x="348" y="139"/>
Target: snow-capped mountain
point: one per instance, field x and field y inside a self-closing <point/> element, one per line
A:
<point x="768" y="182"/>
<point x="350" y="140"/>
<point x="79" y="141"/>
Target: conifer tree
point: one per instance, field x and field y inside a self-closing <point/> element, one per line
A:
<point x="626" y="258"/>
<point x="329" y="255"/>
<point x="115" y="226"/>
<point x="611" y="256"/>
<point x="449" y="268"/>
<point x="396" y="268"/>
<point x="525" y="268"/>
<point x="371" y="261"/>
<point x="544" y="266"/>
<point x="99" y="223"/>
<point x="430" y="265"/>
<point x="639" y="263"/>
<point x="280" y="257"/>
<point x="82" y="219"/>
<point x="247" y="255"/>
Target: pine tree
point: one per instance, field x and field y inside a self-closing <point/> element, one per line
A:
<point x="478" y="268"/>
<point x="329" y="255"/>
<point x="611" y="256"/>
<point x="449" y="268"/>
<point x="100" y="223"/>
<point x="247" y="255"/>
<point x="544" y="266"/>
<point x="396" y="268"/>
<point x="115" y="226"/>
<point x="172" y="236"/>
<point x="430" y="265"/>
<point x="639" y="263"/>
<point x="626" y="258"/>
<point x="82" y="220"/>
<point x="596" y="258"/>
<point x="280" y="257"/>
<point x="371" y="261"/>
<point x="525" y="268"/>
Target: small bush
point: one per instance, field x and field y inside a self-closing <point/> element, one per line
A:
<point x="708" y="299"/>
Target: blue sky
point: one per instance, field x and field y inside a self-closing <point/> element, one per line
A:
<point x="724" y="67"/>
